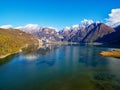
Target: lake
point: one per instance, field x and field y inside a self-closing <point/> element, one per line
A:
<point x="67" y="67"/>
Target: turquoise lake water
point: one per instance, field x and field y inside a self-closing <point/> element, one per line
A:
<point x="68" y="67"/>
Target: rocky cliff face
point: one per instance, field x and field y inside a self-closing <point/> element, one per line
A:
<point x="86" y="34"/>
<point x="112" y="38"/>
<point x="96" y="31"/>
<point x="76" y="32"/>
<point x="47" y="34"/>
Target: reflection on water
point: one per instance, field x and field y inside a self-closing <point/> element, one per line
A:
<point x="33" y="53"/>
<point x="70" y="67"/>
<point x="7" y="59"/>
<point x="47" y="48"/>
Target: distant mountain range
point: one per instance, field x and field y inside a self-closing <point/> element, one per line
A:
<point x="86" y="32"/>
<point x="47" y="34"/>
<point x="12" y="40"/>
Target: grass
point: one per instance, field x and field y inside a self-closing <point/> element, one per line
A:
<point x="115" y="53"/>
<point x="12" y="40"/>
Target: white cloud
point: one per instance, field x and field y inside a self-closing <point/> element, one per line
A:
<point x="6" y="26"/>
<point x="114" y="18"/>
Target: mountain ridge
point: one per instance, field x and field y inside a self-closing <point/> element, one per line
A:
<point x="85" y="32"/>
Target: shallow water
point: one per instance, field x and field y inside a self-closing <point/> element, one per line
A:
<point x="70" y="67"/>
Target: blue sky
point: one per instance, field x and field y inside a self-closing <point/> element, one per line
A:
<point x="55" y="13"/>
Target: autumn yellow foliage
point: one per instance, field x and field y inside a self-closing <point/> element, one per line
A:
<point x="12" y="40"/>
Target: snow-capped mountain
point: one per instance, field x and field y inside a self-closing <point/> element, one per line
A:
<point x="69" y="32"/>
<point x="86" y="22"/>
<point x="47" y="34"/>
<point x="6" y="26"/>
<point x="29" y="28"/>
<point x="86" y="31"/>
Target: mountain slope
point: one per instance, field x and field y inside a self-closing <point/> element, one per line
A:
<point x="112" y="38"/>
<point x="117" y="28"/>
<point x="47" y="34"/>
<point x="12" y="40"/>
<point x="77" y="32"/>
<point x="96" y="31"/>
<point x="86" y="33"/>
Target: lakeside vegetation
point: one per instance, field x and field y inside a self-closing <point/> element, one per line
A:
<point x="114" y="53"/>
<point x="13" y="40"/>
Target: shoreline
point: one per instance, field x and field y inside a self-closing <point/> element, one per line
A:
<point x="20" y="50"/>
<point x="4" y="56"/>
<point x="62" y="43"/>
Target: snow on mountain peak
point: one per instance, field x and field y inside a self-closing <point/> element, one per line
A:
<point x="51" y="28"/>
<point x="30" y="28"/>
<point x="66" y="28"/>
<point x="87" y="22"/>
<point x="75" y="26"/>
<point x="6" y="26"/>
<point x="84" y="23"/>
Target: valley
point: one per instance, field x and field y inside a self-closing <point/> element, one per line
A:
<point x="88" y="32"/>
